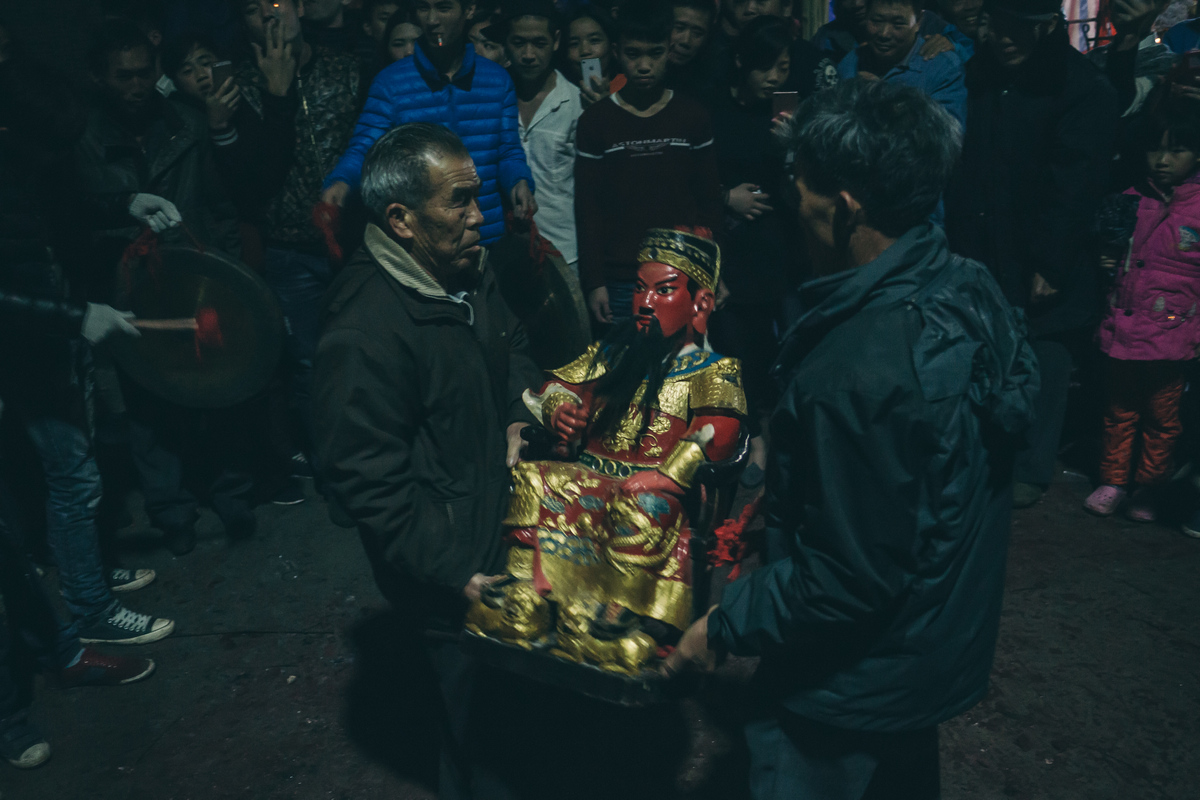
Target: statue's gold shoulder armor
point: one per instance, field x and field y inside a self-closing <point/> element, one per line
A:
<point x="717" y="383"/>
<point x="588" y="367"/>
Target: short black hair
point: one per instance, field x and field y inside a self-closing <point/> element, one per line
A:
<point x="1177" y="117"/>
<point x="526" y="8"/>
<point x="890" y="146"/>
<point x="396" y="169"/>
<point x="646" y="21"/>
<point x="707" y="6"/>
<point x="176" y="51"/>
<point x="762" y="42"/>
<point x="370" y="5"/>
<point x="115" y="36"/>
<point x="916" y="5"/>
<point x="605" y="21"/>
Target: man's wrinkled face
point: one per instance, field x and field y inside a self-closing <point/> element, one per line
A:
<point x="259" y="14"/>
<point x="644" y="63"/>
<point x="661" y="292"/>
<point x="963" y="14"/>
<point x="375" y="25"/>
<point x="891" y="30"/>
<point x="740" y="12"/>
<point x="530" y="47"/>
<point x="443" y="22"/>
<point x="130" y="78"/>
<point x="688" y="34"/>
<point x="445" y="231"/>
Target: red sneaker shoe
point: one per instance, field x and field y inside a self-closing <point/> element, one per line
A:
<point x="97" y="669"/>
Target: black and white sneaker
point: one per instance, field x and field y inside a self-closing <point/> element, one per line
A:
<point x="128" y="580"/>
<point x="122" y="626"/>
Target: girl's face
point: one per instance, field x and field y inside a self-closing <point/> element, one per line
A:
<point x="1170" y="165"/>
<point x="761" y="83"/>
<point x="403" y="40"/>
<point x="586" y="39"/>
<point x="194" y="77"/>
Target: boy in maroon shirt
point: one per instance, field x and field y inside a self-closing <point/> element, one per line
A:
<point x="645" y="160"/>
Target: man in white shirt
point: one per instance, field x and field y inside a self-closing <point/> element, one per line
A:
<point x="549" y="109"/>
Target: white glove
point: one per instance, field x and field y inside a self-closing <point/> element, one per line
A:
<point x="157" y="212"/>
<point x="100" y="322"/>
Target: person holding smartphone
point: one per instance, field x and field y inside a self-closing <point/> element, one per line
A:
<point x="757" y="249"/>
<point x="588" y="58"/>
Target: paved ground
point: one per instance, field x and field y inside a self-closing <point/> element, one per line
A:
<point x="283" y="682"/>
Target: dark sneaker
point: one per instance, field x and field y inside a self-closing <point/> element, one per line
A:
<point x="180" y="541"/>
<point x="98" y="669"/>
<point x="290" y="493"/>
<point x="122" y="626"/>
<point x="300" y="466"/>
<point x="21" y="744"/>
<point x="128" y="580"/>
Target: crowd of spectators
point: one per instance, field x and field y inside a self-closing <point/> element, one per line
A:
<point x="224" y="124"/>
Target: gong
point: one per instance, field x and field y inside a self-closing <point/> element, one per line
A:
<point x="173" y="364"/>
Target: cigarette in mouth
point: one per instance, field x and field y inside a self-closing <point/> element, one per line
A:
<point x="440" y="43"/>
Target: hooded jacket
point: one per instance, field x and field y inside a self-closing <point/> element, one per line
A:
<point x="1153" y="304"/>
<point x="479" y="104"/>
<point x="413" y="390"/>
<point x="889" y="491"/>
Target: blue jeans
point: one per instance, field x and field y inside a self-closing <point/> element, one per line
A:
<point x="299" y="281"/>
<point x="73" y="492"/>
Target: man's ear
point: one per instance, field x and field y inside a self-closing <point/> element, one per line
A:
<point x="299" y="8"/>
<point x="557" y="40"/>
<point x="786" y="8"/>
<point x="737" y="62"/>
<point x="401" y="221"/>
<point x="847" y="216"/>
<point x="469" y="10"/>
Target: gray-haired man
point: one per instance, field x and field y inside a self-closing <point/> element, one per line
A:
<point x="889" y="484"/>
<point x="418" y="410"/>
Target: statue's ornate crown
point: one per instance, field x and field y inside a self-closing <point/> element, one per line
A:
<point x="694" y="255"/>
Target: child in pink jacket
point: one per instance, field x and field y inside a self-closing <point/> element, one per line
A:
<point x="1151" y="328"/>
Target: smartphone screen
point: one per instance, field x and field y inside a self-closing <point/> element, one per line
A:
<point x="591" y="68"/>
<point x="221" y="72"/>
<point x="784" y="102"/>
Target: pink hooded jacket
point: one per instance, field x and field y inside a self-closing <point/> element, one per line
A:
<point x="1154" y="307"/>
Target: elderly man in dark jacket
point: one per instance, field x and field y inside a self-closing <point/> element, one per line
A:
<point x="1036" y="155"/>
<point x="889" y="482"/>
<point x="418" y="383"/>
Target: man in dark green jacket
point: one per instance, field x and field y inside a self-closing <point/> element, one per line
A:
<point x="417" y="388"/>
<point x="889" y="488"/>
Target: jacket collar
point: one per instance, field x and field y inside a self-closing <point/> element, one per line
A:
<point x="434" y="79"/>
<point x="898" y="273"/>
<point x="559" y="95"/>
<point x="404" y="270"/>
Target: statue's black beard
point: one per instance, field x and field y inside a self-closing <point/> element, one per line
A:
<point x="632" y="357"/>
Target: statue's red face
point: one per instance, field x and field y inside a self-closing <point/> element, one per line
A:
<point x="661" y="292"/>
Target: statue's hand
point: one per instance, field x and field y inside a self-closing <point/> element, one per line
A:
<point x="569" y="420"/>
<point x="651" y="481"/>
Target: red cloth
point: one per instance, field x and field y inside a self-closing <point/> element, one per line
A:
<point x="327" y="218"/>
<point x="1143" y="409"/>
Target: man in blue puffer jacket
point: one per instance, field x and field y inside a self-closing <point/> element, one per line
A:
<point x="444" y="82"/>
